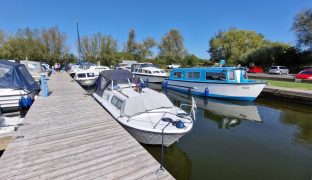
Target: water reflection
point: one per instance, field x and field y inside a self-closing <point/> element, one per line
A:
<point x="175" y="160"/>
<point x="227" y="113"/>
<point x="298" y="115"/>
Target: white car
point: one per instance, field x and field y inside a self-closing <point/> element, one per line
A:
<point x="172" y="66"/>
<point x="278" y="70"/>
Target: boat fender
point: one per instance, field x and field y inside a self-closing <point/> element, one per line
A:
<point x="165" y="84"/>
<point x="179" y="124"/>
<point x="29" y="101"/>
<point x="206" y="93"/>
<point x="22" y="102"/>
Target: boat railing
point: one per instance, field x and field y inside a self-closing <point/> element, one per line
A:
<point x="165" y="112"/>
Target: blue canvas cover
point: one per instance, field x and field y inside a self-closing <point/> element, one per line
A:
<point x="16" y="76"/>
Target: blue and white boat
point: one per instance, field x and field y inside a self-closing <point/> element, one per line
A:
<point x="218" y="82"/>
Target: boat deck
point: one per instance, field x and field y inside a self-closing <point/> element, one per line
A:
<point x="69" y="135"/>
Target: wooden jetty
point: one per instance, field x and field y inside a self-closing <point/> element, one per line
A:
<point x="68" y="135"/>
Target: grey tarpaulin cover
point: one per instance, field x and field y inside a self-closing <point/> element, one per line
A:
<point x="16" y="76"/>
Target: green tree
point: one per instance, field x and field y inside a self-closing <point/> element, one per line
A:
<point x="108" y="50"/>
<point x="171" y="47"/>
<point x="54" y="44"/>
<point x="99" y="47"/>
<point x="302" y="26"/>
<point x="144" y="48"/>
<point x="190" y="61"/>
<point x="131" y="45"/>
<point x="230" y="45"/>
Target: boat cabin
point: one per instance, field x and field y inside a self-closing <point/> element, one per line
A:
<point x="210" y="74"/>
<point x="147" y="68"/>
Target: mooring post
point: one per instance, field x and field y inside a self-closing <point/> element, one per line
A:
<point x="44" y="86"/>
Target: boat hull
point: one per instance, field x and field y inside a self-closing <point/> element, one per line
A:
<point x="9" y="99"/>
<point x="151" y="78"/>
<point x="152" y="138"/>
<point x="237" y="91"/>
<point x="86" y="82"/>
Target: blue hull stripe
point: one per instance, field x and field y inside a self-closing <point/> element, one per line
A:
<point x="212" y="95"/>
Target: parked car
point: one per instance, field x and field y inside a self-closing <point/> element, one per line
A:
<point x="172" y="66"/>
<point x="307" y="67"/>
<point x="305" y="74"/>
<point x="278" y="70"/>
<point x="255" y="69"/>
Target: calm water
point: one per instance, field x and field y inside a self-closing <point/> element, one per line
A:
<point x="265" y="139"/>
<point x="242" y="140"/>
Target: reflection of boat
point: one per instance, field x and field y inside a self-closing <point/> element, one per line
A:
<point x="15" y="82"/>
<point x="176" y="161"/>
<point x="230" y="110"/>
<point x="149" y="72"/>
<point x="217" y="82"/>
<point x="146" y="114"/>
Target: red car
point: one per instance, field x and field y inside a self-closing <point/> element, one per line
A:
<point x="255" y="69"/>
<point x="305" y="74"/>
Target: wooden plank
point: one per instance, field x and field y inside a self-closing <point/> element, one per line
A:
<point x="69" y="135"/>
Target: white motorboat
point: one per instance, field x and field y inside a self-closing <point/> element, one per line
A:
<point x="98" y="69"/>
<point x="73" y="69"/>
<point x="15" y="82"/>
<point x="149" y="72"/>
<point x="146" y="114"/>
<point x="85" y="78"/>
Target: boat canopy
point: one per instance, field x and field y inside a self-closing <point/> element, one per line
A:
<point x="107" y="76"/>
<point x="115" y="75"/>
<point x="16" y="76"/>
<point x="145" y="102"/>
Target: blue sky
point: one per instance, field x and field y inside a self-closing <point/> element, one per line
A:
<point x="197" y="20"/>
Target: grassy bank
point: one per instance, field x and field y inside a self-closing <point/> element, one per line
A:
<point x="305" y="86"/>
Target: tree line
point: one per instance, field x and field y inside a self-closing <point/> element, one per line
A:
<point x="237" y="47"/>
<point x="247" y="48"/>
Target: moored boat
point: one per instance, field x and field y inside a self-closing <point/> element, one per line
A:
<point x="146" y="114"/>
<point x="217" y="82"/>
<point x="85" y="78"/>
<point x="15" y="82"/>
<point x="149" y="72"/>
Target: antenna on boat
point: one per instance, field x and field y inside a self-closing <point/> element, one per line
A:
<point x="80" y="59"/>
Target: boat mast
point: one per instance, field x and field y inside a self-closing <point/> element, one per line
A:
<point x="80" y="59"/>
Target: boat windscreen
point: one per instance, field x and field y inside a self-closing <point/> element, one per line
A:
<point x="145" y="102"/>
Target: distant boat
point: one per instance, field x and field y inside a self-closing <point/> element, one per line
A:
<point x="217" y="82"/>
<point x="149" y="72"/>
<point x="88" y="77"/>
<point x="146" y="114"/>
<point x="15" y="82"/>
<point x="34" y="68"/>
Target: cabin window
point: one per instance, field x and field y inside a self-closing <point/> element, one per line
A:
<point x="3" y="71"/>
<point x="162" y="71"/>
<point x="215" y="76"/>
<point x="90" y="74"/>
<point x="81" y="75"/>
<point x="193" y="75"/>
<point x="244" y="74"/>
<point x="155" y="71"/>
<point x="116" y="102"/>
<point x="140" y="70"/>
<point x="177" y="74"/>
<point x="27" y="75"/>
<point x="231" y="75"/>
